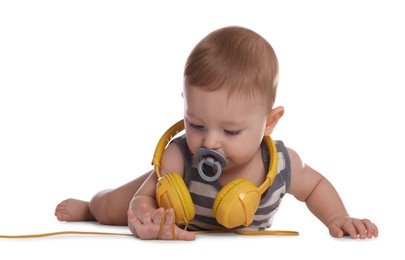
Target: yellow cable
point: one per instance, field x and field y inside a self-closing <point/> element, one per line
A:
<point x="223" y="230"/>
<point x="162" y="226"/>
<point x="242" y="231"/>
<point x="239" y="232"/>
<point x="65" y="233"/>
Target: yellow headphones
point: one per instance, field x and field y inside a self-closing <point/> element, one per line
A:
<point x="235" y="204"/>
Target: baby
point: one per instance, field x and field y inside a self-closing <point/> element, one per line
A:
<point x="230" y="83"/>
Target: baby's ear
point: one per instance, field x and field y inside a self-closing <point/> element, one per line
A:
<point x="272" y="119"/>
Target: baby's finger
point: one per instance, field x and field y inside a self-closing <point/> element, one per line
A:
<point x="169" y="221"/>
<point x="177" y="233"/>
<point x="185" y="235"/>
<point x="167" y="225"/>
<point x="131" y="215"/>
<point x="375" y="230"/>
<point x="335" y="231"/>
<point x="371" y="228"/>
<point x="158" y="216"/>
<point x="133" y="222"/>
<point x="145" y="217"/>
<point x="360" y="228"/>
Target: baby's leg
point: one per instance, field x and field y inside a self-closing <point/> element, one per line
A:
<point x="108" y="207"/>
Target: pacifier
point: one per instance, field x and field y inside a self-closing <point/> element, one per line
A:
<point x="211" y="163"/>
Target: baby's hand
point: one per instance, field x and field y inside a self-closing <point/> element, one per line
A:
<point x="353" y="227"/>
<point x="149" y="227"/>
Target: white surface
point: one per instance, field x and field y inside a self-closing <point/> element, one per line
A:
<point x="87" y="87"/>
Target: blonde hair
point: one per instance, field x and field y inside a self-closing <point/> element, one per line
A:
<point x="236" y="58"/>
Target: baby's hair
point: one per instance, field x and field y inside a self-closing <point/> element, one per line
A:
<point x="236" y="58"/>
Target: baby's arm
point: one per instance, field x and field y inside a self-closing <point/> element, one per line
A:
<point x="145" y="219"/>
<point x="324" y="202"/>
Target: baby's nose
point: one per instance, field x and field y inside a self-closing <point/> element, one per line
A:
<point x="211" y="141"/>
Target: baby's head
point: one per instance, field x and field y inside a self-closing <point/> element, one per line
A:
<point x="230" y="83"/>
<point x="237" y="59"/>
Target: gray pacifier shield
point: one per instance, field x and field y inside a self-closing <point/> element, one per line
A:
<point x="213" y="159"/>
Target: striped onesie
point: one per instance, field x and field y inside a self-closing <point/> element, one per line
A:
<point x="203" y="193"/>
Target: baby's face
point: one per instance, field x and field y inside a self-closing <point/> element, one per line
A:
<point x="232" y="125"/>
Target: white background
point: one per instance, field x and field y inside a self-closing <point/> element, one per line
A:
<point x="88" y="87"/>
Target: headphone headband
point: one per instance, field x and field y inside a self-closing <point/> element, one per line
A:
<point x="179" y="126"/>
<point x="271" y="174"/>
<point x="163" y="141"/>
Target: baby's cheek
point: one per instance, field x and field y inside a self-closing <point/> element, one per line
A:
<point x="192" y="144"/>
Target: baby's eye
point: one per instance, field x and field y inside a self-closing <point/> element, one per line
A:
<point x="229" y="132"/>
<point x="198" y="127"/>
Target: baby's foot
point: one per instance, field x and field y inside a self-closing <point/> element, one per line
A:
<point x="73" y="210"/>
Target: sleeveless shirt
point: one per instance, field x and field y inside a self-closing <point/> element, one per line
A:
<point x="203" y="193"/>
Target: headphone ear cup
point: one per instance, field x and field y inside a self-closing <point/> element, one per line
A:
<point x="172" y="192"/>
<point x="236" y="203"/>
